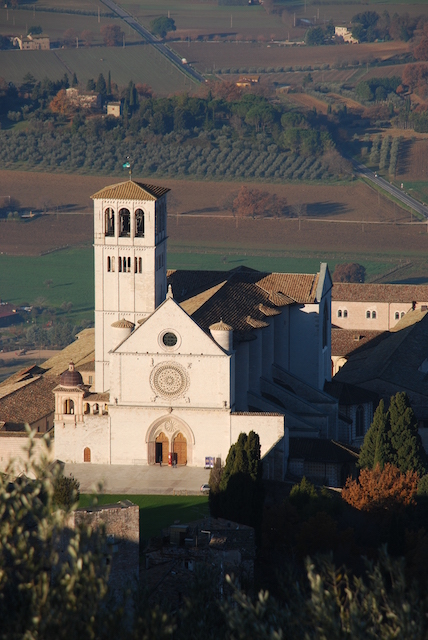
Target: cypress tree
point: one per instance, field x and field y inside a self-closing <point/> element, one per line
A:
<point x="101" y="86"/>
<point x="109" y="84"/>
<point x="374" y="441"/>
<point x="408" y="451"/>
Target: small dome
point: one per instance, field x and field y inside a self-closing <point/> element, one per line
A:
<point x="221" y="326"/>
<point x="123" y="324"/>
<point x="71" y="378"/>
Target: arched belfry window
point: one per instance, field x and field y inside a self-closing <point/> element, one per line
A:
<point x="125" y="223"/>
<point x="69" y="406"/>
<point x="139" y="223"/>
<point x="109" y="221"/>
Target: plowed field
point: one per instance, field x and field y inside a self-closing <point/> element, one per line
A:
<point x="337" y="219"/>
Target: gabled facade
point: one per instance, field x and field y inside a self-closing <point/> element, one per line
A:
<point x="179" y="373"/>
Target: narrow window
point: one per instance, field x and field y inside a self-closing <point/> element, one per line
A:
<point x="139" y="223"/>
<point x="135" y="265"/>
<point x="95" y="409"/>
<point x="129" y="265"/>
<point x="397" y="315"/>
<point x="374" y="315"/>
<point x="124" y="222"/>
<point x="108" y="263"/>
<point x="339" y="313"/>
<point x="359" y="422"/>
<point x="140" y="265"/>
<point x="120" y="264"/>
<point x="112" y="263"/>
<point x="325" y="327"/>
<point x="345" y="313"/>
<point x="109" y="221"/>
<point x="124" y="265"/>
<point x="86" y="409"/>
<point x="69" y="407"/>
<point x="367" y="314"/>
<point x="402" y="313"/>
<point x="86" y="454"/>
<point x="90" y="379"/>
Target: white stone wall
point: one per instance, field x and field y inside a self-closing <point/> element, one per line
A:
<point x="357" y="314"/>
<point x="14" y="448"/>
<point x="72" y="438"/>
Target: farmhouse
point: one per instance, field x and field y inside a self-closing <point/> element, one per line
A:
<point x="343" y="32"/>
<point x="32" y="42"/>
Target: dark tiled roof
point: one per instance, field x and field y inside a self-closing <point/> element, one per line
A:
<point x="349" y="394"/>
<point x="7" y="310"/>
<point x="321" y="450"/>
<point x="130" y="190"/>
<point x="30" y="403"/>
<point x="243" y="298"/>
<point x="346" y="341"/>
<point x="380" y="292"/>
<point x="396" y="361"/>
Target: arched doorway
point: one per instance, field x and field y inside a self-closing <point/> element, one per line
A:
<point x="180" y="448"/>
<point x="161" y="448"/>
<point x="86" y="454"/>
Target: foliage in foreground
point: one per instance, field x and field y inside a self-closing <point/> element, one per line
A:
<point x="47" y="591"/>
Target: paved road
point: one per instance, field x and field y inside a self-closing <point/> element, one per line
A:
<point x="151" y="39"/>
<point x="389" y="188"/>
<point x="136" y="479"/>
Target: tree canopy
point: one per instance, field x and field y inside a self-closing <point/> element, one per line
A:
<point x="161" y="26"/>
<point x="393" y="438"/>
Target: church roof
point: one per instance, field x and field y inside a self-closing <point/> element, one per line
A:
<point x="400" y="293"/>
<point x="29" y="403"/>
<point x="130" y="190"/>
<point x="243" y="298"/>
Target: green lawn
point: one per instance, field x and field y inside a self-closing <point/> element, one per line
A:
<point x="157" y="512"/>
<point x="72" y="271"/>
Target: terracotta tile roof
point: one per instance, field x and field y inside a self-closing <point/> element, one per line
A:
<point x="130" y="190"/>
<point x="7" y="310"/>
<point x="243" y="298"/>
<point x="322" y="450"/>
<point x="399" y="361"/>
<point x="379" y="292"/>
<point x="300" y="287"/>
<point x="346" y="341"/>
<point x="80" y="352"/>
<point x="87" y="366"/>
<point x="30" y="403"/>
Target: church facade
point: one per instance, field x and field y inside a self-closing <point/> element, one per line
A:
<point x="185" y="361"/>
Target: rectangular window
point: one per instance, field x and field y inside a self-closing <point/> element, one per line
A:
<point x="140" y="265"/>
<point x="90" y="379"/>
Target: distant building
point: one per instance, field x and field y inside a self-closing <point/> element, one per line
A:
<point x="374" y="307"/>
<point x="32" y="42"/>
<point x="247" y="81"/>
<point x="86" y="101"/>
<point x="114" y="109"/>
<point x="8" y="314"/>
<point x="343" y="32"/>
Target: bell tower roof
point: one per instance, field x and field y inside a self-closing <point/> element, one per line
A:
<point x="130" y="190"/>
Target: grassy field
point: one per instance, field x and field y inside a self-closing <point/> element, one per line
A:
<point x="139" y="63"/>
<point x="23" y="277"/>
<point x="157" y="512"/>
<point x="54" y="24"/>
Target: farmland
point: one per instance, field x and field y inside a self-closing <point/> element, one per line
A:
<point x="343" y="223"/>
<point x="140" y="63"/>
<point x="219" y="55"/>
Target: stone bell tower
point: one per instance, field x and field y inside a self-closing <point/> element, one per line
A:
<point x="130" y="262"/>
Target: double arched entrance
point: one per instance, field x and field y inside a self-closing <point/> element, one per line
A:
<point x="169" y="440"/>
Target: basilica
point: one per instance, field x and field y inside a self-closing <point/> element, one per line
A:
<point x="182" y="362"/>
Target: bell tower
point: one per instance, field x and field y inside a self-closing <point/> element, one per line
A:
<point x="130" y="262"/>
